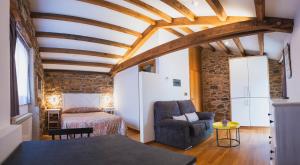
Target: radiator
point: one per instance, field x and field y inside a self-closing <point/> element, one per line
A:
<point x="25" y="122"/>
<point x="12" y="135"/>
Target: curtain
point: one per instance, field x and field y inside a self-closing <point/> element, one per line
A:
<point x="14" y="103"/>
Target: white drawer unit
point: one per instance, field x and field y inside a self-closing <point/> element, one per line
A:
<point x="285" y="133"/>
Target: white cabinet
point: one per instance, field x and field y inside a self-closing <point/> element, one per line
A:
<point x="249" y="89"/>
<point x="238" y="78"/>
<point x="258" y="77"/>
<point x="242" y="115"/>
<point x="285" y="132"/>
<point x="259" y="109"/>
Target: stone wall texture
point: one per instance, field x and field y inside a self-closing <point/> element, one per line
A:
<point x="216" y="82"/>
<point x="59" y="82"/>
<point x="275" y="73"/>
<point x="21" y="12"/>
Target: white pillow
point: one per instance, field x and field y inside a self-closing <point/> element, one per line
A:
<point x="182" y="117"/>
<point x="192" y="117"/>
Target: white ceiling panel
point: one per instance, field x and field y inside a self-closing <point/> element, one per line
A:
<point x="196" y="28"/>
<point x="274" y="47"/>
<point x="239" y="7"/>
<point x="198" y="7"/>
<point x="216" y="46"/>
<point x="80" y="45"/>
<point x="76" y="57"/>
<point x="82" y="29"/>
<point x="85" y="10"/>
<point x="74" y="67"/>
<point x="250" y="43"/>
<point x="135" y="8"/>
<point x="282" y="8"/>
<point x="164" y="7"/>
<point x="231" y="46"/>
<point x="180" y="31"/>
<point x="273" y="41"/>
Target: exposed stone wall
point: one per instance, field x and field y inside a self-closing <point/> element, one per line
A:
<point x="275" y="72"/>
<point x="20" y="9"/>
<point x="216" y="82"/>
<point x="59" y="82"/>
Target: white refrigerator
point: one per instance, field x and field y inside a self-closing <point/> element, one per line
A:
<point x="249" y="89"/>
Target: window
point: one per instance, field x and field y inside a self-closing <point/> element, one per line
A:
<point x="22" y="69"/>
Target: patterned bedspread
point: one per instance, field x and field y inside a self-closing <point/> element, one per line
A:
<point x="102" y="122"/>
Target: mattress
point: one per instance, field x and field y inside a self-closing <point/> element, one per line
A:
<point x="102" y="122"/>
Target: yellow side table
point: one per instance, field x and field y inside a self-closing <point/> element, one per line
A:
<point x="230" y="126"/>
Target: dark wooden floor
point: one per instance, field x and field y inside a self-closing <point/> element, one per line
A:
<point x="254" y="149"/>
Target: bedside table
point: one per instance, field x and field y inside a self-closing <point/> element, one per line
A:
<point x="110" y="110"/>
<point x="53" y="118"/>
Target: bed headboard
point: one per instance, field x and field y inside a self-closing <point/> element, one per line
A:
<point x="71" y="100"/>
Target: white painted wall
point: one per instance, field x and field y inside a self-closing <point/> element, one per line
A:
<point x="159" y="87"/>
<point x="10" y="136"/>
<point x="126" y="96"/>
<point x="293" y="89"/>
<point x="134" y="93"/>
<point x="4" y="64"/>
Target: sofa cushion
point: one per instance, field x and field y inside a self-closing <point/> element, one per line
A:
<point x="181" y="117"/>
<point x="165" y="110"/>
<point x="197" y="128"/>
<point x="186" y="106"/>
<point x="192" y="117"/>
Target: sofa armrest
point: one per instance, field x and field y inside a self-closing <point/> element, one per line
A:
<point x="174" y="124"/>
<point x="206" y="115"/>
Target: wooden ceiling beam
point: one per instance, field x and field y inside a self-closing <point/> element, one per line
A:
<point x="202" y="20"/>
<point x="208" y="46"/>
<point x="223" y="47"/>
<point x="260" y="15"/>
<point x="79" y="52"/>
<point x="218" y="9"/>
<point x="229" y="31"/>
<point x="176" y="33"/>
<point x="79" y="63"/>
<point x="151" y="9"/>
<point x="261" y="43"/>
<point x="139" y="42"/>
<point x="121" y="9"/>
<point x="186" y="30"/>
<point x="181" y="9"/>
<point x="84" y="21"/>
<point x="239" y="45"/>
<point x="82" y="38"/>
<point x="260" y="9"/>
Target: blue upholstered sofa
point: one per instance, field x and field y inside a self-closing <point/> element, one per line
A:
<point x="176" y="133"/>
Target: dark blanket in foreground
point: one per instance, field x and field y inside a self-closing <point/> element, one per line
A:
<point x="106" y="150"/>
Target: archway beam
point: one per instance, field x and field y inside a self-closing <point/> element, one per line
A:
<point x="229" y="31"/>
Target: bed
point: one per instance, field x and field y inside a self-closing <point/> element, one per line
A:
<point x="81" y="110"/>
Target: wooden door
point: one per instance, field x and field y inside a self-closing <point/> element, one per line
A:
<point x="195" y="77"/>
